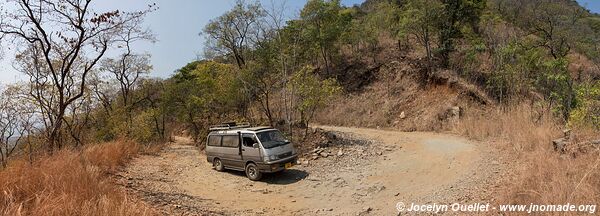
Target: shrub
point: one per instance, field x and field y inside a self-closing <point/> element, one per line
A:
<point x="587" y="112"/>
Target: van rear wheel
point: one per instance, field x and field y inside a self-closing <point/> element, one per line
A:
<point x="253" y="172"/>
<point x="217" y="164"/>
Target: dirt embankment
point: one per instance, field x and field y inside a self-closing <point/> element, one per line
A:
<point x="364" y="178"/>
<point x="399" y="96"/>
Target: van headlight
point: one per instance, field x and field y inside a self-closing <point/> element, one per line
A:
<point x="272" y="157"/>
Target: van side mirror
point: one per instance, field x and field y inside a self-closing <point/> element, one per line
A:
<point x="255" y="145"/>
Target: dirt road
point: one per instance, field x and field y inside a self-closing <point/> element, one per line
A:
<point x="359" y="180"/>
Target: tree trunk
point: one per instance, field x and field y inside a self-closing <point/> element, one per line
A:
<point x="324" y="53"/>
<point x="268" y="110"/>
<point x="162" y="132"/>
<point x="30" y="147"/>
<point x="2" y="159"/>
<point x="195" y="128"/>
<point x="429" y="52"/>
<point x="54" y="139"/>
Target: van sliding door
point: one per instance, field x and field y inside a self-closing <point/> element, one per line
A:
<point x="231" y="152"/>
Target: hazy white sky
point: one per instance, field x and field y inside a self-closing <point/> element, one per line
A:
<point x="176" y="23"/>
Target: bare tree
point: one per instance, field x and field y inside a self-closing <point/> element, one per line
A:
<point x="127" y="70"/>
<point x="8" y="127"/>
<point x="103" y="92"/>
<point x="129" y="67"/>
<point x="17" y="121"/>
<point x="65" y="40"/>
<point x="79" y="117"/>
<point x="276" y="20"/>
<point x="553" y="23"/>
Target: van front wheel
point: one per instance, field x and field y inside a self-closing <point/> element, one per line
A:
<point x="217" y="164"/>
<point x="253" y="172"/>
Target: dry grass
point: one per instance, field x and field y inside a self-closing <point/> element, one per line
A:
<point x="70" y="182"/>
<point x="541" y="175"/>
<point x="519" y="126"/>
<point x="550" y="179"/>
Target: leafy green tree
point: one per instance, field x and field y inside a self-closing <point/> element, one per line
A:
<point x="557" y="26"/>
<point x="323" y="25"/>
<point x="294" y="45"/>
<point x="185" y="73"/>
<point x="207" y="92"/>
<point x="263" y="82"/>
<point x="420" y="18"/>
<point x="357" y="32"/>
<point x="230" y="34"/>
<point x="555" y="83"/>
<point x="521" y="69"/>
<point x="311" y="93"/>
<point x="455" y="15"/>
<point x="386" y="16"/>
<point x="515" y="69"/>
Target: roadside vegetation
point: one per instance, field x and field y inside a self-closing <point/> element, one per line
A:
<point x="71" y="182"/>
<point x="508" y="72"/>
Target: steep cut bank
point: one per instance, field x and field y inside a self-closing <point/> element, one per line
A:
<point x="399" y="98"/>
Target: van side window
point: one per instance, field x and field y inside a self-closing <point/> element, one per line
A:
<point x="214" y="140"/>
<point x="231" y="141"/>
<point x="248" y="139"/>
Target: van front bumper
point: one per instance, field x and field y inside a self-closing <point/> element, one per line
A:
<point x="278" y="165"/>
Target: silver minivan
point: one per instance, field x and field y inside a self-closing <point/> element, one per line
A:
<point x="254" y="150"/>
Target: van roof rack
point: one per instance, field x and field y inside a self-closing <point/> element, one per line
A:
<point x="228" y="126"/>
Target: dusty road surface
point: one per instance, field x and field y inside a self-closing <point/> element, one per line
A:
<point x="367" y="179"/>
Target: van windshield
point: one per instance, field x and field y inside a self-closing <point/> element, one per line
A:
<point x="270" y="139"/>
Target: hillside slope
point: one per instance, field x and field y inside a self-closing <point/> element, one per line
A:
<point x="398" y="98"/>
